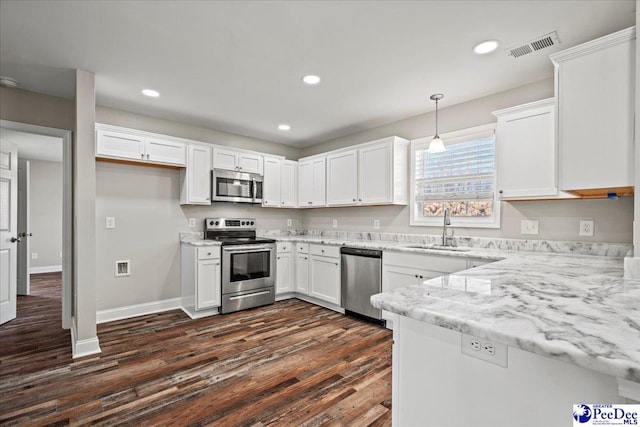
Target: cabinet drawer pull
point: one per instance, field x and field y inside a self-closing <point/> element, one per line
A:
<point x="416" y="276"/>
<point x="147" y="157"/>
<point x="336" y="263"/>
<point x="278" y="257"/>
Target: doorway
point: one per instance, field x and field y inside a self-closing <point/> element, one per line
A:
<point x="44" y="230"/>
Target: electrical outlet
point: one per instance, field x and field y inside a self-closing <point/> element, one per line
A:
<point x="289" y="222"/>
<point x="334" y="223"/>
<point x="586" y="227"/>
<point x="485" y="350"/>
<point x="529" y="226"/>
<point x="192" y="222"/>
<point x="34" y="255"/>
<point x="376" y="223"/>
<point x="110" y="222"/>
<point x="60" y="254"/>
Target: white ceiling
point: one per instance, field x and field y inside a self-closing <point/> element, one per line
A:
<point x="236" y="65"/>
<point x="32" y="146"/>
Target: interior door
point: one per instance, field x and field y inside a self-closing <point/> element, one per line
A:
<point x="8" y="230"/>
<point x="24" y="260"/>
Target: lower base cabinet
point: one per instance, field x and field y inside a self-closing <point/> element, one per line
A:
<point x="284" y="273"/>
<point x="201" y="276"/>
<point x="302" y="273"/>
<point x="325" y="278"/>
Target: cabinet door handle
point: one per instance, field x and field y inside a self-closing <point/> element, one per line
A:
<point x="306" y="258"/>
<point x="310" y="203"/>
<point x="283" y="203"/>
<point x="354" y="200"/>
<point x="142" y="155"/>
<point x="500" y="191"/>
<point x="336" y="263"/>
<point x="209" y="253"/>
<point x="421" y="277"/>
<point x="147" y="157"/>
<point x="360" y="199"/>
<point x="416" y="276"/>
<point x="207" y="198"/>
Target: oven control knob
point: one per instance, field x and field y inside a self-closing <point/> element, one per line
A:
<point x="252" y="223"/>
<point x="217" y="222"/>
<point x="210" y="222"/>
<point x="244" y="223"/>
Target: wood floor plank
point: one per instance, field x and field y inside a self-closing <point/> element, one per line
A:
<point x="291" y="363"/>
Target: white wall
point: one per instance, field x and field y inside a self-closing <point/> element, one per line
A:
<point x="46" y="213"/>
<point x="558" y="220"/>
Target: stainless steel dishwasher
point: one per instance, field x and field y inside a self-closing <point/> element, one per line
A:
<point x="361" y="278"/>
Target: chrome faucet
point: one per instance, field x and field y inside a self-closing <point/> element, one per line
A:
<point x="447" y="221"/>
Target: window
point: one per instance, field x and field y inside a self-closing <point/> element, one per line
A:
<point x="461" y="179"/>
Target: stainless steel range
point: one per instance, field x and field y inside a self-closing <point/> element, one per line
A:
<point x="248" y="263"/>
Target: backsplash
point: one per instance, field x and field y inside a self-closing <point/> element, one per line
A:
<point x="550" y="246"/>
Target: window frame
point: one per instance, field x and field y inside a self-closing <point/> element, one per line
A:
<point x="492" y="221"/>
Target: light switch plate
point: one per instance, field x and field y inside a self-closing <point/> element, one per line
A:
<point x="289" y="222"/>
<point x="192" y="222"/>
<point x="34" y="255"/>
<point x="586" y="227"/>
<point x="110" y="222"/>
<point x="334" y="223"/>
<point x="529" y="226"/>
<point x="376" y="224"/>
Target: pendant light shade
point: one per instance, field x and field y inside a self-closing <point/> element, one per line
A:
<point x="436" y="145"/>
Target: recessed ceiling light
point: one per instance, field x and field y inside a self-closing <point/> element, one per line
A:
<point x="150" y="92"/>
<point x="486" y="47"/>
<point x="310" y="79"/>
<point x="284" y="127"/>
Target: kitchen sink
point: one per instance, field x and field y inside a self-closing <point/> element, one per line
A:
<point x="439" y="248"/>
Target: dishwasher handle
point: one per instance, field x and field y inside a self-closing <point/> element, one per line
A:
<point x="370" y="253"/>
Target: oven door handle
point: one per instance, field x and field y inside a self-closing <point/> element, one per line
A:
<point x="248" y="248"/>
<point x="255" y="294"/>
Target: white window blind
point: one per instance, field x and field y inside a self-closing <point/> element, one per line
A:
<point x="466" y="171"/>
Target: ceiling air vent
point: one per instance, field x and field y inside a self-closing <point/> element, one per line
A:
<point x="542" y="42"/>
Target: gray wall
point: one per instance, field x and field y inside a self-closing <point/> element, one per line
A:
<point x="558" y="220"/>
<point x="146" y="204"/>
<point x="46" y="212"/>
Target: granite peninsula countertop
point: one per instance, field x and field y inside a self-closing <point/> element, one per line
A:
<point x="571" y="307"/>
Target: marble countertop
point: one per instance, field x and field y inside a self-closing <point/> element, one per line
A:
<point x="574" y="308"/>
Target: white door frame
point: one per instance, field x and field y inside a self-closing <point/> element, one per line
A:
<point x="67" y="208"/>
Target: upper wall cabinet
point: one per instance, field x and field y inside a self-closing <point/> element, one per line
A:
<point x="374" y="173"/>
<point x="527" y="152"/>
<point x="237" y="161"/>
<point x="312" y="191"/>
<point x="120" y="144"/>
<point x="594" y="85"/>
<point x="280" y="182"/>
<point x="196" y="177"/>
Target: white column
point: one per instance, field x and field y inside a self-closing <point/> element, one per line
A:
<point x="84" y="332"/>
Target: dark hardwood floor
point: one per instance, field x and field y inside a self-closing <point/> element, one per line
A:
<point x="291" y="363"/>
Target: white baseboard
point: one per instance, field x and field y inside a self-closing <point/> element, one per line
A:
<point x="45" y="269"/>
<point x="192" y="313"/>
<point x="284" y="296"/>
<point x="128" y="311"/>
<point x="82" y="348"/>
<point x="319" y="302"/>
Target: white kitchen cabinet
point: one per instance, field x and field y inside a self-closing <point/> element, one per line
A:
<point x="312" y="182"/>
<point x="201" y="276"/>
<point x="324" y="276"/>
<point x="237" y="161"/>
<point x="272" y="181"/>
<point x="284" y="267"/>
<point x="342" y="178"/>
<point x="196" y="177"/>
<point x="208" y="284"/>
<point x="280" y="183"/>
<point x="142" y="147"/>
<point x="374" y="173"/>
<point x="527" y="153"/>
<point x="302" y="273"/>
<point x="289" y="184"/>
<point x="595" y="96"/>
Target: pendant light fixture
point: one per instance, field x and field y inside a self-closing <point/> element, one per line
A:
<point x="436" y="145"/>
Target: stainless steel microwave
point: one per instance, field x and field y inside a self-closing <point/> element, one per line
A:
<point x="230" y="186"/>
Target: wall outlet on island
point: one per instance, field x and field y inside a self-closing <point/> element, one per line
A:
<point x="483" y="349"/>
<point x="376" y="224"/>
<point x="529" y="226"/>
<point x="334" y="223"/>
<point x="192" y="222"/>
<point x="289" y="222"/>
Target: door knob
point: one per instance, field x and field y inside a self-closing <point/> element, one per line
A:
<point x="25" y="234"/>
<point x="15" y="239"/>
